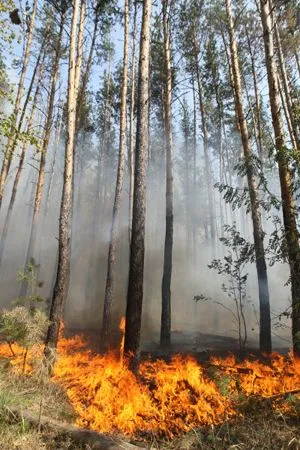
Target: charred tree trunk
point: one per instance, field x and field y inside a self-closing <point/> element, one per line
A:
<point x="137" y="247"/>
<point x="65" y="220"/>
<point x="113" y="243"/>
<point x="286" y="182"/>
<point x="8" y="154"/>
<point x="258" y="234"/>
<point x="165" y="329"/>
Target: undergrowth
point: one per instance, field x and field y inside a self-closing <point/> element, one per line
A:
<point x="259" y="426"/>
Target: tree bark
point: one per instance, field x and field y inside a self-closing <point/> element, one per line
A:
<point x="86" y="74"/>
<point x="113" y="243"/>
<point x="8" y="154"/>
<point x="257" y="101"/>
<point x="285" y="176"/>
<point x="286" y="86"/>
<point x="41" y="177"/>
<point x="208" y="172"/>
<point x="20" y="169"/>
<point x="131" y="119"/>
<point x="65" y="220"/>
<point x="137" y="247"/>
<point x="258" y="233"/>
<point x="165" y="330"/>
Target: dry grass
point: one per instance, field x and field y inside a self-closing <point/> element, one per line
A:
<point x="18" y="392"/>
<point x="260" y="427"/>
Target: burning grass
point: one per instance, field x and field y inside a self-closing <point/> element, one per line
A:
<point x="223" y="398"/>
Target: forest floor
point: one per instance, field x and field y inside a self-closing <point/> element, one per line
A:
<point x="259" y="426"/>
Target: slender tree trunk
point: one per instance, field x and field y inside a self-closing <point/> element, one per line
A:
<point x="52" y="169"/>
<point x="131" y="119"/>
<point x="286" y="113"/>
<point x="165" y="330"/>
<point x="297" y="62"/>
<point x="65" y="220"/>
<point x="8" y="154"/>
<point x="39" y="61"/>
<point x="187" y="190"/>
<point x="286" y="87"/>
<point x="87" y="72"/>
<point x="41" y="177"/>
<point x="258" y="234"/>
<point x="19" y="170"/>
<point x="79" y="52"/>
<point x="286" y="183"/>
<point x="194" y="196"/>
<point x="208" y="172"/>
<point x="113" y="243"/>
<point x="230" y="76"/>
<point x="257" y="101"/>
<point x="137" y="246"/>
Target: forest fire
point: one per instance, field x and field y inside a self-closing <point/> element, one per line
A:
<point x="166" y="398"/>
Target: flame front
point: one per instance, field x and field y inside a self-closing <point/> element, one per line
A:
<point x="168" y="397"/>
<point x="122" y="329"/>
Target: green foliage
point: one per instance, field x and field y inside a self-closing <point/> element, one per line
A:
<point x="23" y="327"/>
<point x="233" y="266"/>
<point x="30" y="275"/>
<point x="239" y="197"/>
<point x="25" y="324"/>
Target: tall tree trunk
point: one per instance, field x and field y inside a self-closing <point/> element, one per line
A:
<point x="257" y="101"/>
<point x="52" y="169"/>
<point x="113" y="243"/>
<point x="258" y="234"/>
<point x="286" y="113"/>
<point x="61" y="286"/>
<point x="87" y="72"/>
<point x="8" y="154"/>
<point x="187" y="187"/>
<point x="194" y="196"/>
<point x="137" y="246"/>
<point x="286" y="184"/>
<point x="297" y="62"/>
<point x="131" y="118"/>
<point x="20" y="169"/>
<point x="165" y="329"/>
<point x="41" y="177"/>
<point x="79" y="52"/>
<point x="208" y="172"/>
<point x="286" y="86"/>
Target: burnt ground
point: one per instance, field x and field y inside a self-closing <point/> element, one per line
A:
<point x="199" y="345"/>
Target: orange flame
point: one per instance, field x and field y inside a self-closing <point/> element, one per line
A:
<point x="168" y="397"/>
<point x="122" y="329"/>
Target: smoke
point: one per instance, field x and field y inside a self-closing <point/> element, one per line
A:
<point x="93" y="200"/>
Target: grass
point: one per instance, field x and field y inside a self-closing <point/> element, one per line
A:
<point x="260" y="426"/>
<point x="18" y="392"/>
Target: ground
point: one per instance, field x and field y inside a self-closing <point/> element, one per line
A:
<point x="260" y="426"/>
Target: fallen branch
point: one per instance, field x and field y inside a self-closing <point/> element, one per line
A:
<point x="283" y="394"/>
<point x="78" y="435"/>
<point x="270" y="398"/>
